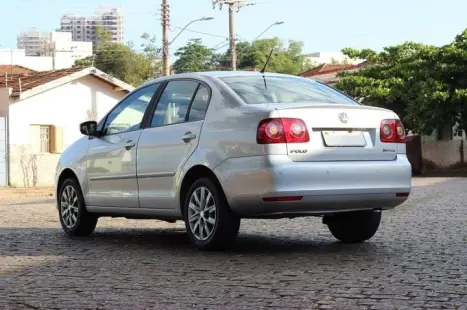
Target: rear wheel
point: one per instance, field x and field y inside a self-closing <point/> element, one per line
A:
<point x="74" y="218"/>
<point x="209" y="222"/>
<point x="354" y="227"/>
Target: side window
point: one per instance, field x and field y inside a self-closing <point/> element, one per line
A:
<point x="199" y="105"/>
<point x="127" y="116"/>
<point x="174" y="102"/>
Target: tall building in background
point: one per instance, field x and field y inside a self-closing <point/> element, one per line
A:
<point x="35" y="43"/>
<point x="83" y="28"/>
<point x="43" y="51"/>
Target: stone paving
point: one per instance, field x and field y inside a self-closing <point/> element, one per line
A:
<point x="417" y="260"/>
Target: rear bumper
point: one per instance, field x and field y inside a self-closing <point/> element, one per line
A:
<point x="325" y="187"/>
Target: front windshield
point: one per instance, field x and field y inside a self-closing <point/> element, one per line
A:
<point x="277" y="89"/>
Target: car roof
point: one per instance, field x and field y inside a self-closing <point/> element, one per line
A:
<point x="215" y="74"/>
<point x="238" y="73"/>
<point x="218" y="74"/>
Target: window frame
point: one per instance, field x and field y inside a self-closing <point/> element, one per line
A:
<point x="187" y="116"/>
<point x="51" y="135"/>
<point x="49" y="131"/>
<point x="162" y="89"/>
<point x="156" y="94"/>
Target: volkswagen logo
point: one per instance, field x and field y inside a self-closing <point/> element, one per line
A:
<point x="343" y="117"/>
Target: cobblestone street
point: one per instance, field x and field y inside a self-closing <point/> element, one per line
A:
<point x="417" y="260"/>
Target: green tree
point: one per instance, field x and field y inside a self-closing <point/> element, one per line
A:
<point x="123" y="61"/>
<point x="83" y="62"/>
<point x="285" y="59"/>
<point x="197" y="57"/>
<point x="102" y="35"/>
<point x="425" y="85"/>
<point x="194" y="57"/>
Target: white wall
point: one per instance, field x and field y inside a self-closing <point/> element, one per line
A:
<point x="63" y="60"/>
<point x="65" y="46"/>
<point x="64" y="107"/>
<point x="327" y="58"/>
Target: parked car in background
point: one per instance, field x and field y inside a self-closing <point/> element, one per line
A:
<point x="212" y="148"/>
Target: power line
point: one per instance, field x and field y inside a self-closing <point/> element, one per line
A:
<point x="201" y="32"/>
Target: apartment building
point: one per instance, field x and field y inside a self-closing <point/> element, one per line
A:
<point x="62" y="43"/>
<point x="83" y="28"/>
<point x="35" y="43"/>
<point x="42" y="51"/>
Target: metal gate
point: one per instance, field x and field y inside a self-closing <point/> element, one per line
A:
<point x="3" y="153"/>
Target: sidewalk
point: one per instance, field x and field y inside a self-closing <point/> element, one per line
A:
<point x="425" y="181"/>
<point x="26" y="192"/>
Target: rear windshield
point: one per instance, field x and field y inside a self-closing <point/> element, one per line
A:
<point x="276" y="89"/>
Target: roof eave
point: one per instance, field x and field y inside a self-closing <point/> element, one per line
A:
<point x="74" y="76"/>
<point x="118" y="83"/>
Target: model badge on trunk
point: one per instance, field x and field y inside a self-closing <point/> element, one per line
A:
<point x="298" y="151"/>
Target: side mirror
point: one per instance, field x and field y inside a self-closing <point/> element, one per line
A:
<point x="89" y="128"/>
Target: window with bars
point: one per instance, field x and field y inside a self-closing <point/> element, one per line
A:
<point x="44" y="139"/>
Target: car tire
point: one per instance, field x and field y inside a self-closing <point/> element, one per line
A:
<point x="354" y="227"/>
<point x="210" y="225"/>
<point x="74" y="218"/>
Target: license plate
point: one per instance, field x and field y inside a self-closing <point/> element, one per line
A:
<point x="344" y="138"/>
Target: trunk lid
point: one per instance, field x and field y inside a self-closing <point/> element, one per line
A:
<point x="339" y="132"/>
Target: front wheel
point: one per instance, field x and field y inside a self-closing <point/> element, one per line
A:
<point x="354" y="227"/>
<point x="209" y="222"/>
<point x="74" y="218"/>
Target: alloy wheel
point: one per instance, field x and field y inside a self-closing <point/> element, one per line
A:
<point x="69" y="206"/>
<point x="202" y="216"/>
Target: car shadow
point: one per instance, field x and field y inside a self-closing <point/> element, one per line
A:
<point x="172" y="241"/>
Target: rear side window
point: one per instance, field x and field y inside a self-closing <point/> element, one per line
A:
<point x="282" y="89"/>
<point x="199" y="105"/>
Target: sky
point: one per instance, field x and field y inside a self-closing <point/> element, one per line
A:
<point x="322" y="25"/>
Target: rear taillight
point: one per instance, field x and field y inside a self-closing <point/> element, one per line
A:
<point x="392" y="131"/>
<point x="282" y="130"/>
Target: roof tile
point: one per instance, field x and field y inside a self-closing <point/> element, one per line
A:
<point x="22" y="82"/>
<point x="328" y="68"/>
<point x="15" y="69"/>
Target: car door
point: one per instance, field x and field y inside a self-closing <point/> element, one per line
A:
<point x="169" y="141"/>
<point x="111" y="160"/>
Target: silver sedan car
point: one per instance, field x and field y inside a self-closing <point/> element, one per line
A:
<point x="212" y="148"/>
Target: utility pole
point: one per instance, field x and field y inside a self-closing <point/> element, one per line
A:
<point x="165" y="38"/>
<point x="232" y="46"/>
<point x="234" y="6"/>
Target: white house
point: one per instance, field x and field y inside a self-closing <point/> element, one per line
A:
<point x="327" y="73"/>
<point x="44" y="110"/>
<point x="319" y="58"/>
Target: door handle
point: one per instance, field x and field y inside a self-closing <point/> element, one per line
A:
<point x="129" y="144"/>
<point x="188" y="136"/>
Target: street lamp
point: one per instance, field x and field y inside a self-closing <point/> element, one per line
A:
<point x="193" y="21"/>
<point x="166" y="44"/>
<point x="272" y="25"/>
